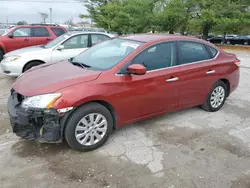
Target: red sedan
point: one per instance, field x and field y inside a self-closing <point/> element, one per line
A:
<point x="118" y="82"/>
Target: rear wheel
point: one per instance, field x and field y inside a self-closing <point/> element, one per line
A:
<point x="30" y="65"/>
<point x="216" y="97"/>
<point x="89" y="127"/>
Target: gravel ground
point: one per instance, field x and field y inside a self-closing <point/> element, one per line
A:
<point x="187" y="149"/>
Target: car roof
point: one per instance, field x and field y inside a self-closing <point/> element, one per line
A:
<point x="90" y="32"/>
<point x="50" y="26"/>
<point x="156" y="37"/>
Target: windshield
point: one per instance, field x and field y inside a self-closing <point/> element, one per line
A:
<point x="107" y="54"/>
<point x="57" y="41"/>
<point x="4" y="32"/>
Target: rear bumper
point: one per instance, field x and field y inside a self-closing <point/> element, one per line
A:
<point x="42" y="125"/>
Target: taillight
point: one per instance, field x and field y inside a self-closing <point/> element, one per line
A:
<point x="237" y="62"/>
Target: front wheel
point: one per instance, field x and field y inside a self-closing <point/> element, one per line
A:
<point x="89" y="127"/>
<point x="216" y="97"/>
<point x="1" y="55"/>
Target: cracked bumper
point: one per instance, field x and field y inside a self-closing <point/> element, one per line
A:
<point x="42" y="125"/>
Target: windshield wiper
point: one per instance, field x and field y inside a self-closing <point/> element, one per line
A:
<point x="78" y="63"/>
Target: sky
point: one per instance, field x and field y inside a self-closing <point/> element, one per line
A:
<point x="28" y="10"/>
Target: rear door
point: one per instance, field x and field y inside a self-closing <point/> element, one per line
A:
<point x="71" y="47"/>
<point x="198" y="72"/>
<point x="21" y="38"/>
<point x="40" y="35"/>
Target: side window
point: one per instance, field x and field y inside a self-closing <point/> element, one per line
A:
<point x="58" y="31"/>
<point x="213" y="51"/>
<point x="190" y="52"/>
<point x="22" y="32"/>
<point x="98" y="39"/>
<point x="79" y="41"/>
<point x="157" y="57"/>
<point x="40" y="32"/>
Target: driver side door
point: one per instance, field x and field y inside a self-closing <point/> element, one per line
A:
<point x="71" y="47"/>
<point x="21" y="39"/>
<point x="155" y="92"/>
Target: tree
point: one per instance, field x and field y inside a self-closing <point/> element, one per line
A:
<point x="173" y="17"/>
<point x="22" y="23"/>
<point x="44" y="16"/>
<point x="122" y="16"/>
<point x="206" y="15"/>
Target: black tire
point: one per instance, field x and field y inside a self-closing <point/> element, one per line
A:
<point x="207" y="106"/>
<point x="69" y="132"/>
<point x="1" y="55"/>
<point x="30" y="65"/>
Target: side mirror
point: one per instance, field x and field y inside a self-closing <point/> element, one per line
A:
<point x="10" y="35"/>
<point x="137" y="69"/>
<point x="60" y="47"/>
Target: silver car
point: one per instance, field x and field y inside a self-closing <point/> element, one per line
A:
<point x="64" y="47"/>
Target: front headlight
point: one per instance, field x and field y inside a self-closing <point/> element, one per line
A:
<point x="11" y="58"/>
<point x="41" y="101"/>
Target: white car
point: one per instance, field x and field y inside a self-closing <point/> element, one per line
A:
<point x="64" y="47"/>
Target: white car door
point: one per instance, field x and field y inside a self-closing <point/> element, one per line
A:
<point x="70" y="48"/>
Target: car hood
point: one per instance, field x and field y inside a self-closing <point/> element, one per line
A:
<point x="50" y="78"/>
<point x="32" y="49"/>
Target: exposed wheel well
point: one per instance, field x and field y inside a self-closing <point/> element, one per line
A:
<point x="104" y="103"/>
<point x="227" y="84"/>
<point x="39" y="61"/>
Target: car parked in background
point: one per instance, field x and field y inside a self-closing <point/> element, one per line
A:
<point x="215" y="40"/>
<point x="219" y="39"/>
<point x="240" y="39"/>
<point x="118" y="82"/>
<point x="64" y="47"/>
<point x="28" y="35"/>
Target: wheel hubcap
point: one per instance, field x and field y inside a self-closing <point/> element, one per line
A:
<point x="217" y="97"/>
<point x="91" y="129"/>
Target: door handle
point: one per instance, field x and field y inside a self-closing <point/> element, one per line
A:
<point x="210" y="72"/>
<point x="26" y="40"/>
<point x="49" y="38"/>
<point x="172" y="79"/>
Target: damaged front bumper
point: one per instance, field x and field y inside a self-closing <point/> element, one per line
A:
<point x="42" y="125"/>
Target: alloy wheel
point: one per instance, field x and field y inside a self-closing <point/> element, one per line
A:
<point x="91" y="129"/>
<point x="217" y="97"/>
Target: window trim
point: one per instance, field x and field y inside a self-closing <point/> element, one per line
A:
<point x="88" y="45"/>
<point x="121" y="71"/>
<point x="32" y="32"/>
<point x="118" y="73"/>
<point x="21" y="36"/>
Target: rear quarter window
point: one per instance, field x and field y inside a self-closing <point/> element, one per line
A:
<point x="213" y="51"/>
<point x="58" y="31"/>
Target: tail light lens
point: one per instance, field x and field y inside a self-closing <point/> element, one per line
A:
<point x="237" y="62"/>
